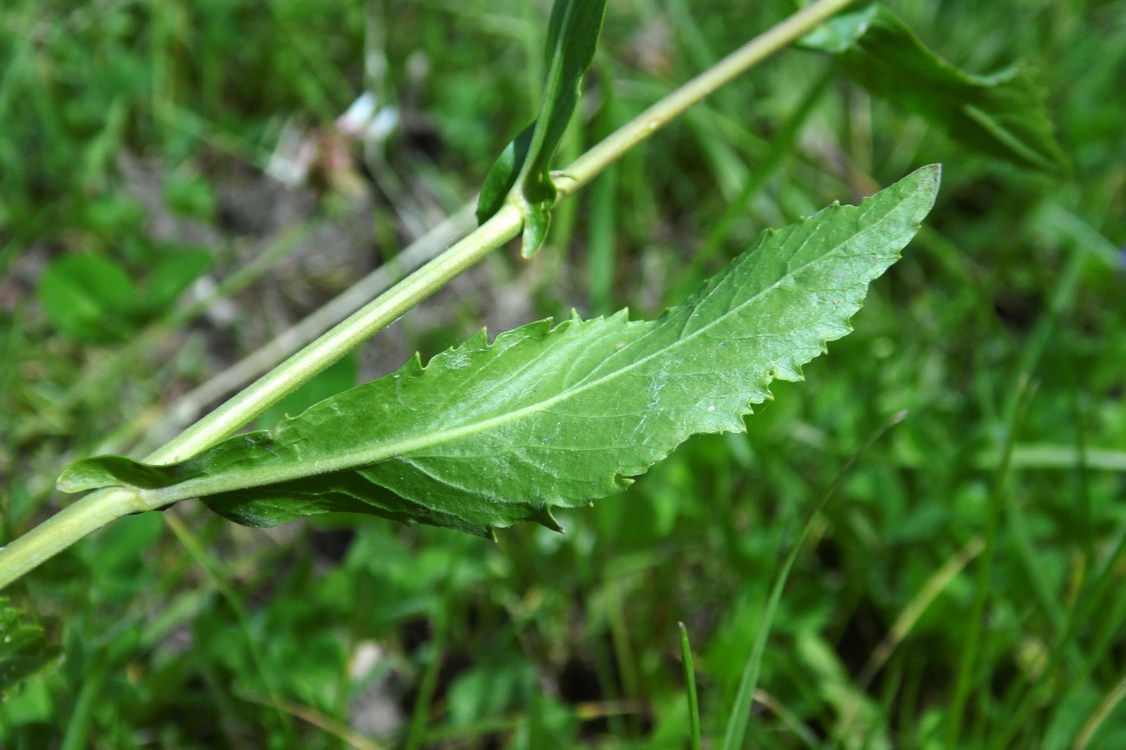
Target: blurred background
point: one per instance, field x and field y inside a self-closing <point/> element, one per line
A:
<point x="183" y="182"/>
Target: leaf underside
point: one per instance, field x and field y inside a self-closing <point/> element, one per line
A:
<point x="1002" y="115"/>
<point x="487" y="435"/>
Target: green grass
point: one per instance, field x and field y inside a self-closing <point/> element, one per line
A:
<point x="961" y="587"/>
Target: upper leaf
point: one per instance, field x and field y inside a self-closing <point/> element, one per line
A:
<point x="490" y="434"/>
<point x="1001" y="114"/>
<point x="522" y="173"/>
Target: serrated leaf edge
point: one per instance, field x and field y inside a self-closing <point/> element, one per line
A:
<point x="787" y="370"/>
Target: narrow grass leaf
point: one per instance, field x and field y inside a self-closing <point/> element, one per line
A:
<point x="487" y="435"/>
<point x="690" y="687"/>
<point x="1001" y="114"/>
<point x="522" y="173"/>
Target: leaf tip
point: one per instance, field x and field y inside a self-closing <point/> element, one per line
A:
<point x="68" y="483"/>
<point x="84" y="475"/>
<point x="930" y="177"/>
<point x="537" y="219"/>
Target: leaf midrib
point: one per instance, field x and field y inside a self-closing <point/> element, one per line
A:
<point x="247" y="478"/>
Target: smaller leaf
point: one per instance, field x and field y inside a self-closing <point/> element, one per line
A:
<point x="88" y="297"/>
<point x="172" y="274"/>
<point x="113" y="215"/>
<point x="502" y="175"/>
<point x="24" y="651"/>
<point x="190" y="195"/>
<point x="537" y="219"/>
<point x="521" y="174"/>
<point x="1001" y="114"/>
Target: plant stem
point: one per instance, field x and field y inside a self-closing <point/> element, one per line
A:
<point x="65" y="528"/>
<point x="99" y="508"/>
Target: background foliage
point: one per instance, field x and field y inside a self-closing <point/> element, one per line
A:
<point x="986" y="528"/>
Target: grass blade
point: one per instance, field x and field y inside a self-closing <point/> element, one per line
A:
<point x="741" y="711"/>
<point x="690" y="683"/>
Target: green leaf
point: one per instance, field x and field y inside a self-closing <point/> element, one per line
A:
<point x="91" y="298"/>
<point x="522" y="172"/>
<point x="24" y="651"/>
<point x="1001" y="114"/>
<point x="88" y="297"/>
<point x="190" y="195"/>
<point x="487" y="435"/>
<point x="171" y="274"/>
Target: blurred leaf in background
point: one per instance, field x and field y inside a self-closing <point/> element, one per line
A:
<point x="88" y="297"/>
<point x="1001" y="114"/>
<point x="24" y="650"/>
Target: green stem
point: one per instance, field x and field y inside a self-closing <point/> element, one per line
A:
<point x="65" y="528"/>
<point x="96" y="510"/>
